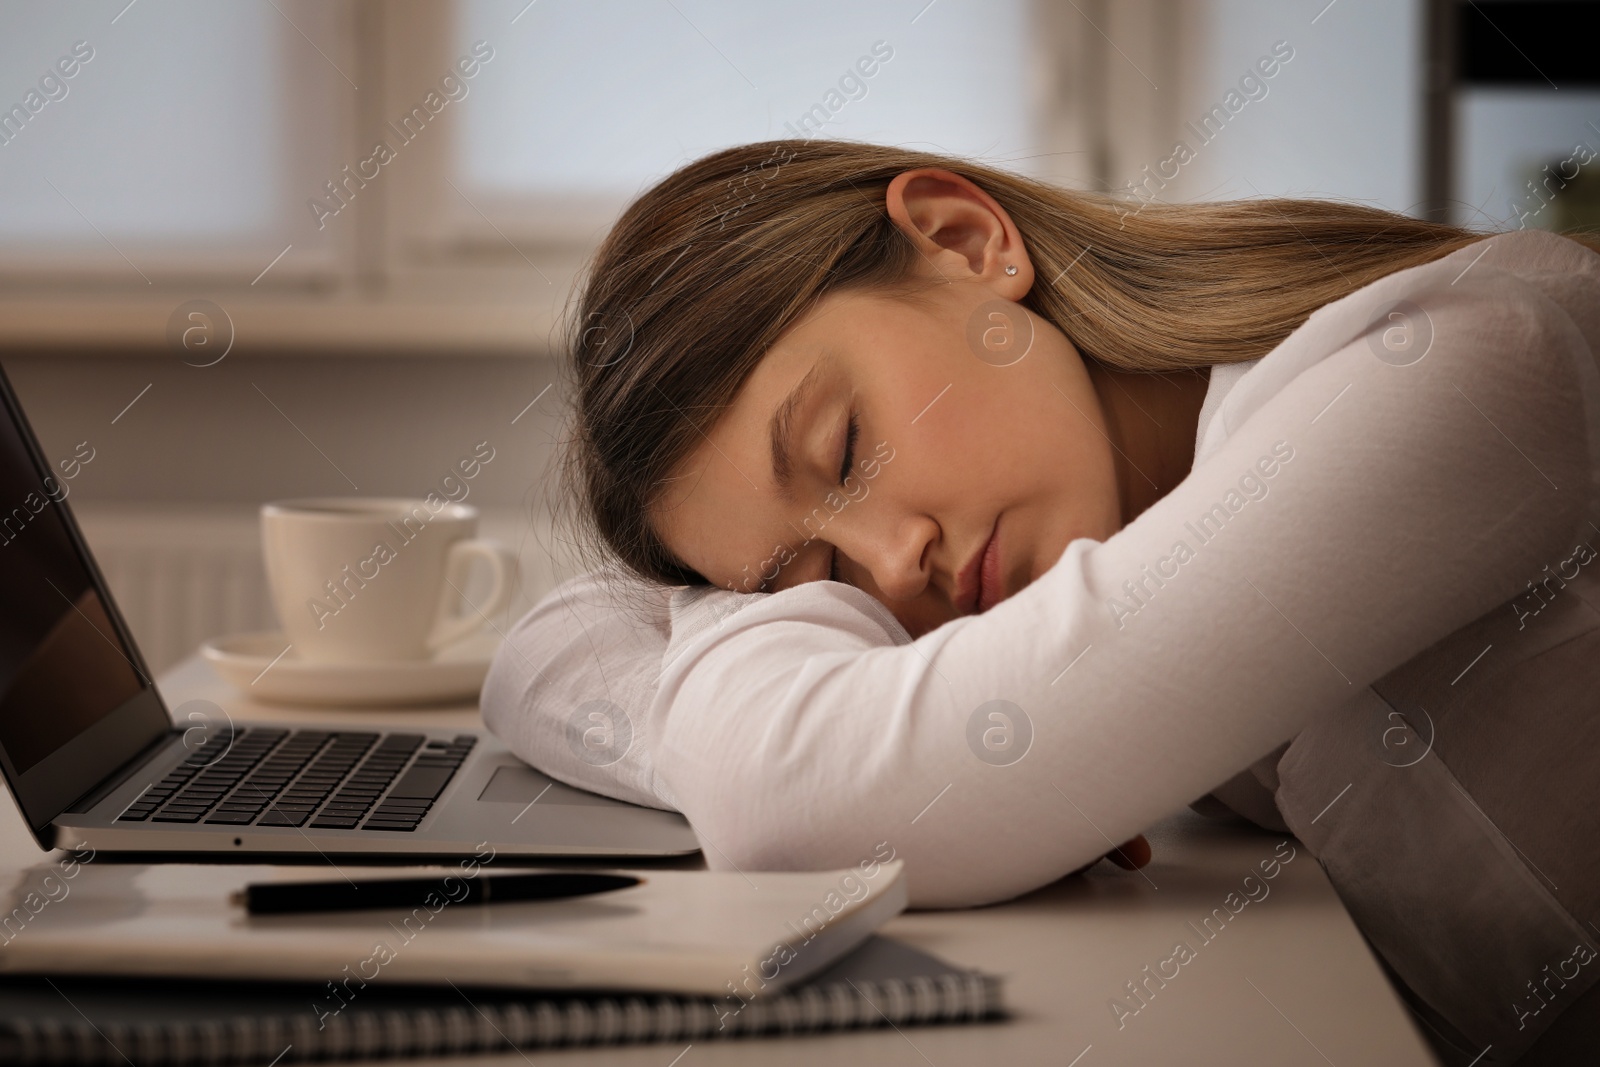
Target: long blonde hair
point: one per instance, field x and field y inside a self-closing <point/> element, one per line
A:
<point x="705" y="270"/>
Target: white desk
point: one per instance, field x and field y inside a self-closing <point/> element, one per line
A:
<point x="1288" y="981"/>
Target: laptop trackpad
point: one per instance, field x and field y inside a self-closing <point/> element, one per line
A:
<point x="521" y="784"/>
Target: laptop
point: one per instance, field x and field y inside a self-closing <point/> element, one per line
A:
<point x="94" y="758"/>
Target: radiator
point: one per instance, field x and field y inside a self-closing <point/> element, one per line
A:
<point x="183" y="573"/>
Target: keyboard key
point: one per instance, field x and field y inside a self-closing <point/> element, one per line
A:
<point x="232" y="818"/>
<point x="280" y="818"/>
<point x="405" y="804"/>
<point x="177" y="816"/>
<point x="424" y="782"/>
<point x="335" y="822"/>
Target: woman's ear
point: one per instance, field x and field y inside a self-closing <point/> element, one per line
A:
<point x="960" y="230"/>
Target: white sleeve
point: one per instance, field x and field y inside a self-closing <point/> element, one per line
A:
<point x="1405" y="502"/>
<point x="592" y="647"/>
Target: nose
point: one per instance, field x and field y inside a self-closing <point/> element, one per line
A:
<point x="897" y="552"/>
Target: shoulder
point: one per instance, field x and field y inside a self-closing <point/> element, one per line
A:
<point x="1532" y="252"/>
<point x="1528" y="284"/>
<point x="1504" y="272"/>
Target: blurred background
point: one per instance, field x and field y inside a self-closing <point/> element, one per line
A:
<point x="272" y="248"/>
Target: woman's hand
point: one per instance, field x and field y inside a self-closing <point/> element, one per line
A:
<point x="1130" y="856"/>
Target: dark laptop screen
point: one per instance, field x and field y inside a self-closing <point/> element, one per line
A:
<point x="62" y="663"/>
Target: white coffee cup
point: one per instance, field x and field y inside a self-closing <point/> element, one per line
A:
<point x="363" y="579"/>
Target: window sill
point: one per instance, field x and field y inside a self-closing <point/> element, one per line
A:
<point x="280" y="325"/>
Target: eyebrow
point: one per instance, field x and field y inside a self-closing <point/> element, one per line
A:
<point x="782" y="428"/>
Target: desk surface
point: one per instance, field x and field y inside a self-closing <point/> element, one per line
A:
<point x="1287" y="981"/>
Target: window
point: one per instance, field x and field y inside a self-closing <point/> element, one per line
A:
<point x="1340" y="120"/>
<point x="166" y="138"/>
<point x="585" y="105"/>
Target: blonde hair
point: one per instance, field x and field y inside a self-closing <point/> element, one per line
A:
<point x="705" y="270"/>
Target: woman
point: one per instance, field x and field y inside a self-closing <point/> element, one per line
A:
<point x="988" y="520"/>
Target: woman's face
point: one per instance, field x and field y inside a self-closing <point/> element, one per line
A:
<point x="909" y="446"/>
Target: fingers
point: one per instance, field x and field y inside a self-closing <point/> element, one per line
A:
<point x="1132" y="855"/>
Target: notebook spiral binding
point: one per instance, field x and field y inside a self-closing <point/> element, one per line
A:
<point x="496" y="1027"/>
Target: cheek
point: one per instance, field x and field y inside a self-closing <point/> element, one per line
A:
<point x="1054" y="469"/>
<point x="1042" y="435"/>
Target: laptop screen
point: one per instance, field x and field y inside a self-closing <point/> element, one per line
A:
<point x="62" y="668"/>
<point x="65" y="666"/>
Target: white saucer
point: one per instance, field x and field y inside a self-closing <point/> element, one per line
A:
<point x="247" y="661"/>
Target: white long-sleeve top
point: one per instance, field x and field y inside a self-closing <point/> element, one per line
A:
<point x="1371" y="485"/>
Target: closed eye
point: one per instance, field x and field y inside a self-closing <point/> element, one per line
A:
<point x="852" y="432"/>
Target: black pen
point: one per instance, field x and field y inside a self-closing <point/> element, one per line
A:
<point x="283" y="898"/>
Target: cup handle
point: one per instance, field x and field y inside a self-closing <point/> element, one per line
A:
<point x="449" y="627"/>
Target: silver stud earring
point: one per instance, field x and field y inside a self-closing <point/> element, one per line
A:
<point x="1011" y="268"/>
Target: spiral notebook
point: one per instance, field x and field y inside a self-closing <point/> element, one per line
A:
<point x="54" y="1019"/>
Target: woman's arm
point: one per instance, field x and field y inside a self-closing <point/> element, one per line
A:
<point x="593" y="646"/>
<point x="802" y="728"/>
<point x="1405" y="502"/>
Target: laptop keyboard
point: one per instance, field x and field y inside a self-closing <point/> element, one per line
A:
<point x="323" y="779"/>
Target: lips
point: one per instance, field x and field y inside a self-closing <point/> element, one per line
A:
<point x="991" y="588"/>
<point x="978" y="584"/>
